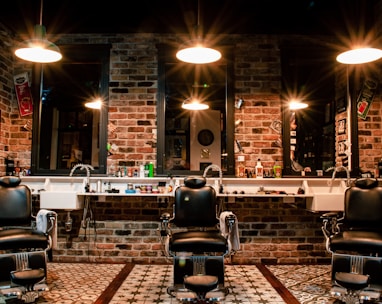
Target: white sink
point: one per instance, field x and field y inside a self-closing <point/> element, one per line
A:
<point x="327" y="198"/>
<point x="67" y="200"/>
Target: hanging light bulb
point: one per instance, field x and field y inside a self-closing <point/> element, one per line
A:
<point x="359" y="55"/>
<point x="198" y="54"/>
<point x="194" y="104"/>
<point x="195" y="51"/>
<point x="39" y="49"/>
<point x="95" y="104"/>
<point x="297" y="105"/>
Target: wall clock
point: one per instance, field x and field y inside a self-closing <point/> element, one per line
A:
<point x="205" y="137"/>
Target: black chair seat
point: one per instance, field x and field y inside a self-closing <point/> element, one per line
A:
<point x="201" y="283"/>
<point x="198" y="241"/>
<point x="359" y="241"/>
<point x="22" y="238"/>
<point x="352" y="281"/>
<point x="27" y="277"/>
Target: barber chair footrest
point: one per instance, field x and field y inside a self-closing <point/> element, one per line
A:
<point x="352" y="281"/>
<point x="190" y="297"/>
<point x="201" y="283"/>
<point x="27" y="277"/>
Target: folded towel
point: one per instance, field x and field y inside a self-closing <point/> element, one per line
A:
<point x="231" y="235"/>
<point x="46" y="221"/>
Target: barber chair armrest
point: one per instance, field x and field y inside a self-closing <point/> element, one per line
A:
<point x="329" y="215"/>
<point x="331" y="223"/>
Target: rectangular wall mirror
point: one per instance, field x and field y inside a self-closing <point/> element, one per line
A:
<point x="191" y="140"/>
<point x="65" y="131"/>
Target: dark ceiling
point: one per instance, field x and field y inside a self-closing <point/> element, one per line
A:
<point x="179" y="16"/>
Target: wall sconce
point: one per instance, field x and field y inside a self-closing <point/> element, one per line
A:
<point x="239" y="103"/>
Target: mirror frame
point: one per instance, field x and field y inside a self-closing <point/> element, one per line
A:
<point x="166" y="54"/>
<point x="348" y="79"/>
<point x="72" y="54"/>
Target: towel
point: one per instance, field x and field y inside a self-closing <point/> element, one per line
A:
<point x="46" y="221"/>
<point x="233" y="235"/>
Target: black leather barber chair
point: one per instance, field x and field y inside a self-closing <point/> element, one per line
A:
<point x="354" y="238"/>
<point x="23" y="248"/>
<point x="196" y="243"/>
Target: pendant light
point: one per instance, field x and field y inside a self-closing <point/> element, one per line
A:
<point x="297" y="105"/>
<point x="196" y="51"/>
<point x="39" y="49"/>
<point x="359" y="55"/>
<point x="194" y="104"/>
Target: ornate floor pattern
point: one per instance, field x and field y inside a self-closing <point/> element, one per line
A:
<point x="147" y="284"/>
<point x="309" y="284"/>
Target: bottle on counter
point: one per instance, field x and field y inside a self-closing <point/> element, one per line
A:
<point x="151" y="169"/>
<point x="142" y="171"/>
<point x="277" y="170"/>
<point x="240" y="171"/>
<point x="259" y="169"/>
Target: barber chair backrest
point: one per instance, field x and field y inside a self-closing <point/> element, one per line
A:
<point x="15" y="202"/>
<point x="363" y="205"/>
<point x="195" y="204"/>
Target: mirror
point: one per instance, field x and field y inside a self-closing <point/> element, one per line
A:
<point x="190" y="140"/>
<point x="309" y="133"/>
<point x="65" y="131"/>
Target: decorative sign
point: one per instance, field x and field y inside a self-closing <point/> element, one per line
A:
<point x="365" y="97"/>
<point x="23" y="93"/>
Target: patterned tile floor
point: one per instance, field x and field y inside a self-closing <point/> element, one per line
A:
<point x="147" y="284"/>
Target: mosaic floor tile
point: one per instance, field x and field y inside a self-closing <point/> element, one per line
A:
<point x="147" y="284"/>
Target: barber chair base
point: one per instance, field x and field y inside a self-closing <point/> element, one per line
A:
<point x="364" y="296"/>
<point x="185" y="266"/>
<point x="21" y="293"/>
<point x="184" y="295"/>
<point x="23" y="284"/>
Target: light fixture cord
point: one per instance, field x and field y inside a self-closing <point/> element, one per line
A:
<point x="41" y="4"/>
<point x="198" y="27"/>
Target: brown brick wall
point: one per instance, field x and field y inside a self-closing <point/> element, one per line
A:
<point x="126" y="230"/>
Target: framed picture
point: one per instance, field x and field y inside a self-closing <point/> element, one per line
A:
<point x="342" y="147"/>
<point x="341" y="104"/>
<point x="342" y="126"/>
<point x="365" y="97"/>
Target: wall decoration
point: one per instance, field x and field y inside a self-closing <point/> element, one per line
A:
<point x="365" y="97"/>
<point x="23" y="93"/>
<point x="342" y="148"/>
<point x="341" y="126"/>
<point x="341" y="104"/>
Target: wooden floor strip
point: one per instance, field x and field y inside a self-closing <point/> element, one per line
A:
<point x="288" y="297"/>
<point x="110" y="291"/>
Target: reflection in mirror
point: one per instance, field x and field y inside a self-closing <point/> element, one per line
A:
<point x="194" y="139"/>
<point x="308" y="134"/>
<point x="69" y="132"/>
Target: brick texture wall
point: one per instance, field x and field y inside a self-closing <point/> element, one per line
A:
<point x="126" y="229"/>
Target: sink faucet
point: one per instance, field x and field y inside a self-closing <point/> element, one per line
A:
<point x="83" y="167"/>
<point x="338" y="169"/>
<point x="216" y="167"/>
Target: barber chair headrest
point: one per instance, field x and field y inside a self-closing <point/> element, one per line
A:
<point x="9" y="181"/>
<point x="366" y="183"/>
<point x="195" y="181"/>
